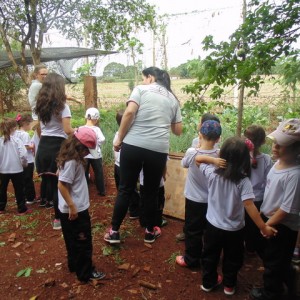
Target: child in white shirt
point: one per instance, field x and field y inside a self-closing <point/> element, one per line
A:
<point x="92" y="117"/>
<point x="13" y="158"/>
<point x="24" y="123"/>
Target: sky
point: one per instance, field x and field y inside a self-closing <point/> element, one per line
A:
<point x="188" y="23"/>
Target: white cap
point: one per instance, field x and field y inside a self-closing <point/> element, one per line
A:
<point x="92" y="113"/>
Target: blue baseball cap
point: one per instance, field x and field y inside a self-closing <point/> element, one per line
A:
<point x="211" y="129"/>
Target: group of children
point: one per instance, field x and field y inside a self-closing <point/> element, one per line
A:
<point x="77" y="153"/>
<point x="225" y="190"/>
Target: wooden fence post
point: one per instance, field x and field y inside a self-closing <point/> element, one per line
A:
<point x="90" y="92"/>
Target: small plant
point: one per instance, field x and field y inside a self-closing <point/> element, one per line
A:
<point x="98" y="227"/>
<point x="172" y="259"/>
<point x="31" y="225"/>
<point x="25" y="272"/>
<point x="107" y="250"/>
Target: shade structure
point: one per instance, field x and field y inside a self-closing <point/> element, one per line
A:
<point x="51" y="54"/>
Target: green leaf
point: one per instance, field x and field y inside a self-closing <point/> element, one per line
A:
<point x="25" y="272"/>
<point x="21" y="273"/>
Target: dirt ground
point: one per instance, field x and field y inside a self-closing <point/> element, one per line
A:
<point x="28" y="243"/>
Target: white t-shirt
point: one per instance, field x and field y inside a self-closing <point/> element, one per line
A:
<point x="55" y="126"/>
<point x="258" y="176"/>
<point x="25" y="138"/>
<point x="283" y="191"/>
<point x="158" y="109"/>
<point x="32" y="94"/>
<point x="161" y="184"/>
<point x="13" y="156"/>
<point x="225" y="200"/>
<point x="73" y="174"/>
<point x="196" y="188"/>
<point x="100" y="141"/>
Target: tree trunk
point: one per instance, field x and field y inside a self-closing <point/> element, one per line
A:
<point x="90" y="91"/>
<point x="240" y="109"/>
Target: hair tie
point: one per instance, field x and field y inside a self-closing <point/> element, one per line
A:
<point x="18" y="117"/>
<point x="249" y="145"/>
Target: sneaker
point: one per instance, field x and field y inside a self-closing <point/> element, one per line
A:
<point x="30" y="202"/>
<point x="229" y="290"/>
<point x="180" y="236"/>
<point x="180" y="261"/>
<point x="56" y="224"/>
<point x="49" y="204"/>
<point x="296" y="256"/>
<point x="150" y="237"/>
<point x="43" y="203"/>
<point x="205" y="289"/>
<point x="27" y="211"/>
<point x="112" y="237"/>
<point x="96" y="275"/>
<point x="133" y="217"/>
<point x="164" y="222"/>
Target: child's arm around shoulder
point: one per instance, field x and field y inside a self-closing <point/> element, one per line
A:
<point x="218" y="162"/>
<point x="188" y="157"/>
<point x="64" y="190"/>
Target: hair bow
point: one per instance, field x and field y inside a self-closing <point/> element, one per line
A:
<point x="18" y="117"/>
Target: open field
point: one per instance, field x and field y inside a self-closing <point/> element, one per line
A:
<point x="110" y="94"/>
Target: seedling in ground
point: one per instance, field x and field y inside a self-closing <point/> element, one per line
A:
<point x="172" y="259"/>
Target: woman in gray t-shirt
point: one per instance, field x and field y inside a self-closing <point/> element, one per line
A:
<point x="152" y="110"/>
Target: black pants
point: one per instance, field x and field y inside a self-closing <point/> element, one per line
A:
<point x="195" y="223"/>
<point x="29" y="189"/>
<point x="132" y="160"/>
<point x="17" y="181"/>
<point x="134" y="202"/>
<point x="98" y="172"/>
<point x="216" y="240"/>
<point x="78" y="239"/>
<point x="252" y="233"/>
<point x="159" y="208"/>
<point x="46" y="166"/>
<point x="277" y="253"/>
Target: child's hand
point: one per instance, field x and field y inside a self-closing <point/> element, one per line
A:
<point x="220" y="162"/>
<point x="268" y="231"/>
<point x="117" y="145"/>
<point x="73" y="214"/>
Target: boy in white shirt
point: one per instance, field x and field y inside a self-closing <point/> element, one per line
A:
<point x="92" y="117"/>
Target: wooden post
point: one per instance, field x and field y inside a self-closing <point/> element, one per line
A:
<point x="90" y="92"/>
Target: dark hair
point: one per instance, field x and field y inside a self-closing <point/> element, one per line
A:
<point x="51" y="98"/>
<point x="236" y="154"/>
<point x="70" y="149"/>
<point x="22" y="120"/>
<point x="162" y="77"/>
<point x="257" y="135"/>
<point x="6" y="127"/>
<point x="209" y="116"/>
<point x="119" y="116"/>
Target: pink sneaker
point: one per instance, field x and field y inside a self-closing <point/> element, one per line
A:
<point x="206" y="289"/>
<point x="180" y="261"/>
<point x="229" y="290"/>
